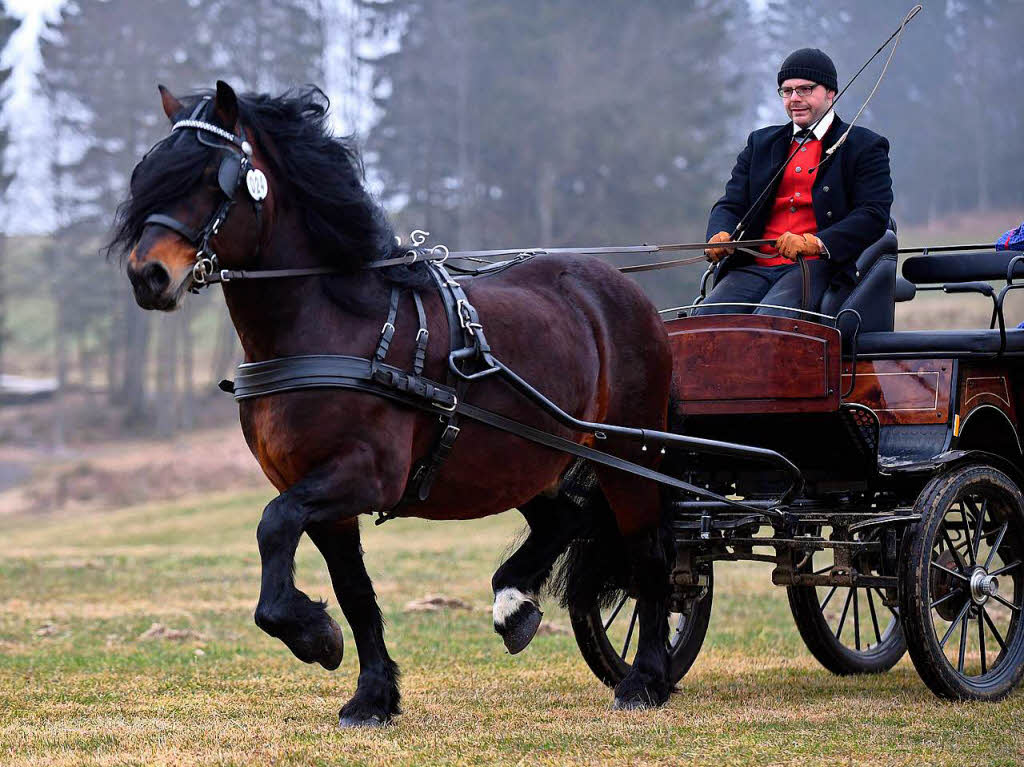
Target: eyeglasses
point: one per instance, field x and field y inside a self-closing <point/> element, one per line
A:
<point x="803" y="91"/>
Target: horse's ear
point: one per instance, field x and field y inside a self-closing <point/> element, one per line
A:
<point x="171" y="105"/>
<point x="225" y="105"/>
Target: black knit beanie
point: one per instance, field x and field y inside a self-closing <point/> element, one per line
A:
<point x="810" y="64"/>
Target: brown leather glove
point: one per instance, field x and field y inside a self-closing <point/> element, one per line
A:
<point x="791" y="246"/>
<point x="714" y="254"/>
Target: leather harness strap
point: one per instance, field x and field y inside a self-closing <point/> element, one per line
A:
<point x="805" y="283"/>
<point x="330" y="371"/>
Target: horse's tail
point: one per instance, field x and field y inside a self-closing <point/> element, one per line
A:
<point x="594" y="568"/>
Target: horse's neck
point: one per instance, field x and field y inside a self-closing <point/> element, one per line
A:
<point x="300" y="315"/>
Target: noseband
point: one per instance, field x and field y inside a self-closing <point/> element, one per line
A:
<point x="235" y="166"/>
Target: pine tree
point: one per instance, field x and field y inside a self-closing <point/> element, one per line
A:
<point x="7" y="27"/>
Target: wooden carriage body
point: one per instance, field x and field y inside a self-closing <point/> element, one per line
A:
<point x="897" y="404"/>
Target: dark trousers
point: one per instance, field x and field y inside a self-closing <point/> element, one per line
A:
<point x="772" y="285"/>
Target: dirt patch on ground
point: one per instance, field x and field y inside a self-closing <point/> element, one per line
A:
<point x="127" y="472"/>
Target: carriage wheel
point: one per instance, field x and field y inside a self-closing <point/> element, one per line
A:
<point x="608" y="637"/>
<point x="962" y="585"/>
<point x="848" y="630"/>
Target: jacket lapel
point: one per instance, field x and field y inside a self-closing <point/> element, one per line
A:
<point x="781" y="145"/>
<point x="835" y="130"/>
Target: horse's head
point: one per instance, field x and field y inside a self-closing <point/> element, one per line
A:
<point x="195" y="200"/>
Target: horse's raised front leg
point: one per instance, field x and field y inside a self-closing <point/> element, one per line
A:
<point x="376" y="698"/>
<point x="328" y="494"/>
<point x="553" y="523"/>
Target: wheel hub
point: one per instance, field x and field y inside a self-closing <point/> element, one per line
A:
<point x="983" y="586"/>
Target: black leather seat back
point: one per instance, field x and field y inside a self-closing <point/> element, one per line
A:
<point x="961" y="267"/>
<point x="874" y="294"/>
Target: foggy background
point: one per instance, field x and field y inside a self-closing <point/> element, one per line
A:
<point x="489" y="124"/>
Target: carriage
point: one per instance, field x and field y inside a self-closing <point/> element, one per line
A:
<point x="879" y="471"/>
<point x="904" y="527"/>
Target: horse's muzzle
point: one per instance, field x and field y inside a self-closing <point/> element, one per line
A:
<point x="151" y="284"/>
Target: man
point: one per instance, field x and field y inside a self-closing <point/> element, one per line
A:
<point x="825" y="208"/>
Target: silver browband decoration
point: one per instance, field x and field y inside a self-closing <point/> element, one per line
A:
<point x="245" y="146"/>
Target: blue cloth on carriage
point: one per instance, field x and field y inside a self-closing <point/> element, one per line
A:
<point x="1011" y="240"/>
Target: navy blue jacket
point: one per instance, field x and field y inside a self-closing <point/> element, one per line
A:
<point x="852" y="191"/>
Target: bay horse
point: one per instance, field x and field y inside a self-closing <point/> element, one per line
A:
<point x="574" y="327"/>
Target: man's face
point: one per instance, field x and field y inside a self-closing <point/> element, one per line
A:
<point x="804" y="110"/>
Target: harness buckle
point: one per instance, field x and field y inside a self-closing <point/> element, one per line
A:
<point x="225" y="276"/>
<point x="455" y="404"/>
<point x="387" y="325"/>
<point x="423" y="333"/>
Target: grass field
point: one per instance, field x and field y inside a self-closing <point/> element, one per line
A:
<point x="78" y="684"/>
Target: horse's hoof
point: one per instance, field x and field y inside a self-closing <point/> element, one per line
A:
<point x="334" y="646"/>
<point x="516" y="619"/>
<point x="631" y="704"/>
<point x="372" y="722"/>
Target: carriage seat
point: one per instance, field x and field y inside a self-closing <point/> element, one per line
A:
<point x="874" y="294"/>
<point x="980" y="342"/>
<point x="959" y="272"/>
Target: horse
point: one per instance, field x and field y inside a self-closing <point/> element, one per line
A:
<point x="573" y="326"/>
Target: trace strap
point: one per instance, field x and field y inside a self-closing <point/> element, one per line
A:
<point x="328" y="371"/>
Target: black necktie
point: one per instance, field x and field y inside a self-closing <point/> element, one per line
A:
<point x="801" y="134"/>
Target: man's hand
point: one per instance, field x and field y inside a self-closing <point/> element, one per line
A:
<point x="792" y="246"/>
<point x="715" y="254"/>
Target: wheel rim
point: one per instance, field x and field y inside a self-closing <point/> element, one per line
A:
<point x="975" y="585"/>
<point x="861" y="619"/>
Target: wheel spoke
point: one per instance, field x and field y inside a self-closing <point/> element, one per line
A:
<point x="953" y="625"/>
<point x="833" y="591"/>
<point x="993" y="629"/>
<point x="629" y="632"/>
<point x="874" y="618"/>
<point x="967" y="527"/>
<point x="1010" y="566"/>
<point x="823" y="570"/>
<point x="977" y="531"/>
<point x="952" y="549"/>
<point x="947" y="597"/>
<point x="890" y="608"/>
<point x="999" y="542"/>
<point x="955" y="574"/>
<point x="981" y="641"/>
<point x="615" y="612"/>
<point x="846" y="608"/>
<point x="963" y="645"/>
<point x="856" y="619"/>
<point x="1011" y="605"/>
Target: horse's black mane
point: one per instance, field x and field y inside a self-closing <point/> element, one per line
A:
<point x="322" y="173"/>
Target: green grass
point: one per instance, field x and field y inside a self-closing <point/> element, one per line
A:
<point x="77" y="686"/>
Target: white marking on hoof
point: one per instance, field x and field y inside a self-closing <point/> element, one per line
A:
<point x="507" y="601"/>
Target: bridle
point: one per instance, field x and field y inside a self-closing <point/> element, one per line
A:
<point x="236" y="165"/>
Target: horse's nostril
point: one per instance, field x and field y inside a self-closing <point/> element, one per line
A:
<point x="156" y="278"/>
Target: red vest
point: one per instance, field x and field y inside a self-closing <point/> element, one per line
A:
<point x="793" y="209"/>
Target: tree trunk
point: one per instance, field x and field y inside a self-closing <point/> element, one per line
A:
<point x="136" y="347"/>
<point x="166" y="378"/>
<point x="3" y="299"/>
<point x="187" y="419"/>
